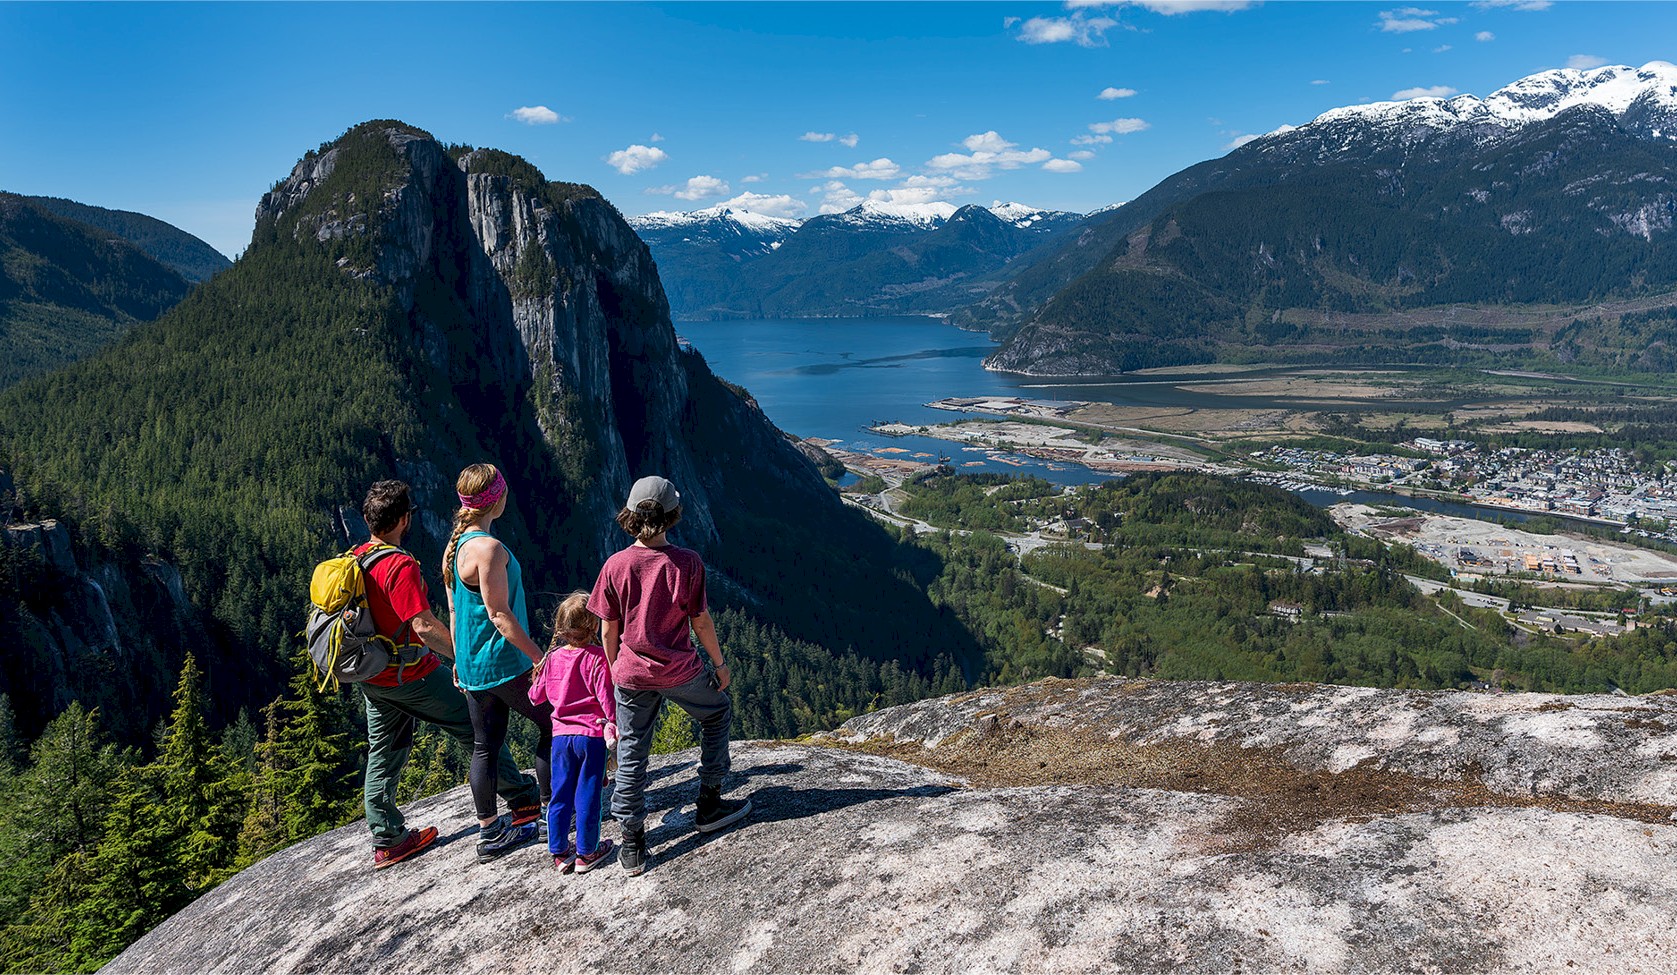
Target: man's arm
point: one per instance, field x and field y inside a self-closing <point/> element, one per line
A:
<point x="434" y="634"/>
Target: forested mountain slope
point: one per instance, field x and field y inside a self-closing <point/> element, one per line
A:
<point x="68" y="289"/>
<point x="189" y="256"/>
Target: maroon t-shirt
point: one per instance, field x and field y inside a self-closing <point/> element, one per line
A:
<point x="653" y="592"/>
<point x="396" y="593"/>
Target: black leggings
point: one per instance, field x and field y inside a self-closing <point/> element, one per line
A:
<point x="489" y="710"/>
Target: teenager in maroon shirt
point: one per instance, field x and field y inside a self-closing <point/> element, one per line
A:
<point x="648" y="596"/>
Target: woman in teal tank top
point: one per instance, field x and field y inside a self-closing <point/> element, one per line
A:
<point x="493" y="653"/>
<point x="493" y="659"/>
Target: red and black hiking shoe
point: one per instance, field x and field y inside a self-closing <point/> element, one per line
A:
<point x="415" y="841"/>
<point x="527" y="814"/>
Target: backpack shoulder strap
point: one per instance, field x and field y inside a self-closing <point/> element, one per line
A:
<point x="377" y="554"/>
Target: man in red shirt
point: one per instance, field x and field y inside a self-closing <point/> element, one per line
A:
<point x="416" y="686"/>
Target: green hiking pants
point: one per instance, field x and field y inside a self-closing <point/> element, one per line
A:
<point x="391" y="713"/>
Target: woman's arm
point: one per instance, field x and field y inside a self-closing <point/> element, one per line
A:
<point x="492" y="582"/>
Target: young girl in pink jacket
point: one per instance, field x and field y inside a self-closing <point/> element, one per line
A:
<point x="575" y="678"/>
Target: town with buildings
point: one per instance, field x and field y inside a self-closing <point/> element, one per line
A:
<point x="1602" y="485"/>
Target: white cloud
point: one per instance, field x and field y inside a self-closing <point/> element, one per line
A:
<point x="1440" y="49"/>
<point x="1092" y="140"/>
<point x="697" y="188"/>
<point x="1119" y="126"/>
<point x="1111" y="94"/>
<point x="911" y="194"/>
<point x="947" y="183"/>
<point x="987" y="142"/>
<point x="989" y="151"/>
<point x="1524" y="5"/>
<point x="1081" y="154"/>
<point x="779" y="205"/>
<point x="636" y="158"/>
<point x="1435" y="91"/>
<point x="1062" y="166"/>
<point x="838" y="198"/>
<point x="1171" y="8"/>
<point x="1406" y="19"/>
<point x="656" y="138"/>
<point x="1484" y="36"/>
<point x="536" y="115"/>
<point x="757" y="178"/>
<point x="848" y="141"/>
<point x="1585" y="62"/>
<point x="881" y="168"/>
<point x="1241" y="140"/>
<point x="1078" y="29"/>
<point x="1320" y="81"/>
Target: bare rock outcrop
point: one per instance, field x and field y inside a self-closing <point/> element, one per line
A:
<point x="992" y="832"/>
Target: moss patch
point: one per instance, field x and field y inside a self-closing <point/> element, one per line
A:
<point x="1280" y="798"/>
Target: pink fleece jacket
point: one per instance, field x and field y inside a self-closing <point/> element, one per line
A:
<point x="577" y="682"/>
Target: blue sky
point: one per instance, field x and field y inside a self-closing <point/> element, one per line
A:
<point x="190" y="112"/>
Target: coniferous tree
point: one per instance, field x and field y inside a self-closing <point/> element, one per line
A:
<point x="305" y="775"/>
<point x="53" y="815"/>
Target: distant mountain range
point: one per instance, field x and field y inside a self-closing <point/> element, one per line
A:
<point x="69" y="288"/>
<point x="876" y="258"/>
<point x="1395" y="232"/>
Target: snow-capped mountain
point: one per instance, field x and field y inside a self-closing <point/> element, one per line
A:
<point x="1558" y="189"/>
<point x="739" y="232"/>
<point x="1644" y="100"/>
<point x="759" y="223"/>
<point x="874" y="215"/>
<point x="875" y="258"/>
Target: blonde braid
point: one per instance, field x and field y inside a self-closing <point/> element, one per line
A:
<point x="465" y="519"/>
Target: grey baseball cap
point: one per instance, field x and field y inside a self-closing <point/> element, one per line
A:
<point x="656" y="489"/>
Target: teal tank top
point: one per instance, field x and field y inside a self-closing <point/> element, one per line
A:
<point x="483" y="657"/>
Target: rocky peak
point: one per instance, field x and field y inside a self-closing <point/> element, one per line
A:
<point x="536" y="299"/>
<point x="1085" y="826"/>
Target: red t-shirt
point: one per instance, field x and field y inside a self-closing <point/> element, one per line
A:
<point x="396" y="593"/>
<point x="654" y="592"/>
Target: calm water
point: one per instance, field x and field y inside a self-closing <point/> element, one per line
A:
<point x="834" y="378"/>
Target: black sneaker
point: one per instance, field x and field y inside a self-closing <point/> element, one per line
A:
<point x="715" y="812"/>
<point x="500" y="836"/>
<point x="631" y="856"/>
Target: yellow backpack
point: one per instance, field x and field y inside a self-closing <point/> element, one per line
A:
<point x="344" y="642"/>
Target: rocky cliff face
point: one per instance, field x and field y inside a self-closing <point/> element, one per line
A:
<point x="538" y="303"/>
<point x="1067" y="826"/>
<point x="107" y="633"/>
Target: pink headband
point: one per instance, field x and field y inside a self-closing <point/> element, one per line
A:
<point x="487" y="497"/>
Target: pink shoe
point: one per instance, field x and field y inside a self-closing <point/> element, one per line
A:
<point x="599" y="858"/>
<point x="565" y="860"/>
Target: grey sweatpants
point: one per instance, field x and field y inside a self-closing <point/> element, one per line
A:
<point x="637" y="717"/>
